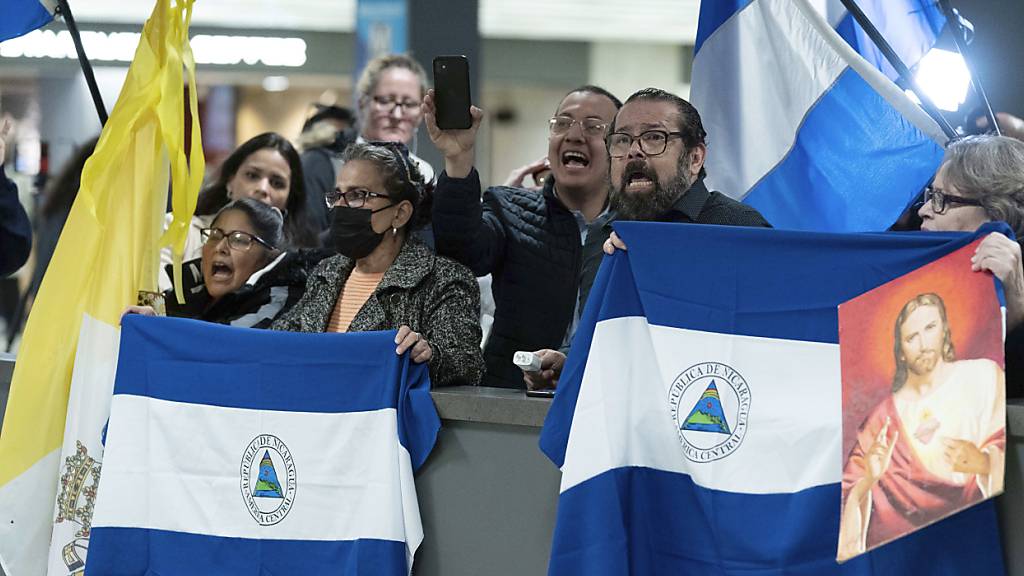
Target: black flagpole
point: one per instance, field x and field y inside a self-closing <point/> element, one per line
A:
<point x="900" y="67"/>
<point x="960" y="38"/>
<point x="65" y="11"/>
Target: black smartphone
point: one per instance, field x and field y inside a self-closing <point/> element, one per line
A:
<point x="451" y="92"/>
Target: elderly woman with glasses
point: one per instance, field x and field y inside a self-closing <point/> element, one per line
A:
<point x="981" y="179"/>
<point x="243" y="277"/>
<point x="383" y="277"/>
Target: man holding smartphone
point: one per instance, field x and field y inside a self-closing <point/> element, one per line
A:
<point x="542" y="247"/>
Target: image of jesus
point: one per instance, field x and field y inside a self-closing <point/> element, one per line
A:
<point x="934" y="446"/>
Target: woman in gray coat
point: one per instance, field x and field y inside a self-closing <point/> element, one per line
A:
<point x="383" y="278"/>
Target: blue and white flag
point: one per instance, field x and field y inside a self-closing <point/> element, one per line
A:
<point x="802" y="127"/>
<point x="911" y="28"/>
<point x="744" y="320"/>
<point x="19" y="17"/>
<point x="235" y="451"/>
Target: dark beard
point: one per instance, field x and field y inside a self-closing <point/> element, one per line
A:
<point x="651" y="205"/>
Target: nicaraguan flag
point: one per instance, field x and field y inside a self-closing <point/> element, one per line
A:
<point x="802" y="127"/>
<point x="741" y="317"/>
<point x="910" y="26"/>
<point x="19" y="17"/>
<point x="235" y="451"/>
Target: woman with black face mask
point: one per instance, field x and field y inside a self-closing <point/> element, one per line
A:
<point x="383" y="278"/>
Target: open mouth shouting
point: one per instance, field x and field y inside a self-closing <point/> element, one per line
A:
<point x="221" y="271"/>
<point x="638" y="178"/>
<point x="575" y="159"/>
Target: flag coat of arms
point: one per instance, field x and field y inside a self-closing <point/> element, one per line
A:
<point x="51" y="445"/>
<point x="698" y="423"/>
<point x="268" y="453"/>
<point x="800" y="125"/>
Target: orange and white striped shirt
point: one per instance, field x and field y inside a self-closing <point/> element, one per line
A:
<point x="354" y="294"/>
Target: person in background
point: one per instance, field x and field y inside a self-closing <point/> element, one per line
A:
<point x="384" y="277"/>
<point x="538" y="170"/>
<point x="15" y="229"/>
<point x="981" y="179"/>
<point x="1009" y="125"/>
<point x="543" y="247"/>
<point x="324" y="137"/>
<point x="243" y="277"/>
<point x="266" y="168"/>
<point x="389" y="93"/>
<point x="58" y="197"/>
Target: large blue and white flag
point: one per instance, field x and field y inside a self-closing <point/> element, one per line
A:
<point x="234" y="451"/>
<point x="19" y="17"/>
<point x="800" y="125"/>
<point x="742" y="320"/>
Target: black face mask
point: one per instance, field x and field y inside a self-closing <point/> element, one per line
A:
<point x="351" y="232"/>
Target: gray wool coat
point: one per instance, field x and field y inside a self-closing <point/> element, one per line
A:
<point x="433" y="295"/>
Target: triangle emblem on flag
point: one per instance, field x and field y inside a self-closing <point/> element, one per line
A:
<point x="267" y="485"/>
<point x="707" y="414"/>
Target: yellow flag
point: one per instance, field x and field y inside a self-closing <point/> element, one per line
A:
<point x="107" y="252"/>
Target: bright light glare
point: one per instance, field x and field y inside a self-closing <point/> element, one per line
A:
<point x="120" y="47"/>
<point x="944" y="76"/>
<point x="275" y="83"/>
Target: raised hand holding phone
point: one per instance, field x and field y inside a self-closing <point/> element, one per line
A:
<point x="451" y="93"/>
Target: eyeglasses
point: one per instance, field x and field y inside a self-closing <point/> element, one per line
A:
<point x="389" y="103"/>
<point x="355" y="198"/>
<point x="940" y="200"/>
<point x="237" y="240"/>
<point x="652" y="142"/>
<point x="591" y="127"/>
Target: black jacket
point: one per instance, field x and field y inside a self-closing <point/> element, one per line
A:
<point x="701" y="206"/>
<point x="530" y="242"/>
<point x="254" y="305"/>
<point x="15" y="229"/>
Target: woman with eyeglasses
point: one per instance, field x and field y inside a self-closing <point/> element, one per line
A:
<point x="265" y="168"/>
<point x="389" y="93"/>
<point x="383" y="277"/>
<point x="243" y="277"/>
<point x="981" y="179"/>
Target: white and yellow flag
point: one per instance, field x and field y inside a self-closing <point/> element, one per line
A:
<point x="51" y="445"/>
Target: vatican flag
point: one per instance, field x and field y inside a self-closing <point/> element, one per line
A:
<point x="51" y="446"/>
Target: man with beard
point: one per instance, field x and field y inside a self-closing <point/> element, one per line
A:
<point x="542" y="247"/>
<point x="657" y="148"/>
<point x="936" y="445"/>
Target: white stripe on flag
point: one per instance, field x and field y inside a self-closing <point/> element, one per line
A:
<point x="735" y="107"/>
<point x="793" y="438"/>
<point x="26" y="505"/>
<point x="92" y="383"/>
<point x="766" y="99"/>
<point x="175" y="466"/>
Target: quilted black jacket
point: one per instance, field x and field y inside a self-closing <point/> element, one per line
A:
<point x="530" y="242"/>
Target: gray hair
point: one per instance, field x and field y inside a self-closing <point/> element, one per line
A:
<point x="267" y="221"/>
<point x="370" y="77"/>
<point x="403" y="179"/>
<point x="991" y="169"/>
